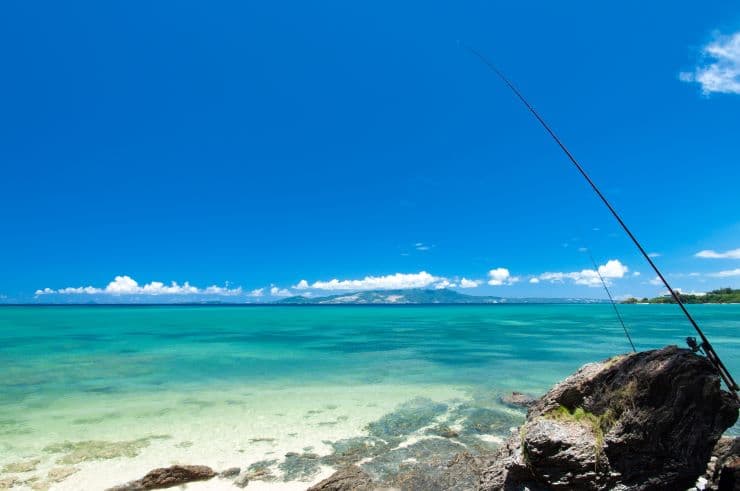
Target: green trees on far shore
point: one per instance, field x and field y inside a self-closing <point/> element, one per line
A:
<point x="721" y="295"/>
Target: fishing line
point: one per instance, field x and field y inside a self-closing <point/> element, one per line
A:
<point x="705" y="345"/>
<point x="611" y="299"/>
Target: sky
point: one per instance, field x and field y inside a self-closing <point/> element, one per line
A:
<point x="245" y="151"/>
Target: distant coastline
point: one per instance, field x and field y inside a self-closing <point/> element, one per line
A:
<point x="406" y="297"/>
<point x="721" y="295"/>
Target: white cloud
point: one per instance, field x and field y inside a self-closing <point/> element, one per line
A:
<point x="466" y="283"/>
<point x="710" y="254"/>
<point x="222" y="290"/>
<point x="725" y="274"/>
<point x="420" y="246"/>
<point x="257" y="292"/>
<point x="445" y="283"/>
<point x="501" y="276"/>
<point x="302" y="285"/>
<point x="125" y="285"/>
<point x="590" y="277"/>
<point x="722" y="74"/>
<point x="636" y="273"/>
<point x="280" y="292"/>
<point x="680" y="290"/>
<point x="395" y="281"/>
<point x="534" y="281"/>
<point x="655" y="254"/>
<point x="656" y="281"/>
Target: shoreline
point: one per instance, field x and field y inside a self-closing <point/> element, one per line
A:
<point x="295" y="433"/>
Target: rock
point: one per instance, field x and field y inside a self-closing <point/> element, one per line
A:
<point x="259" y="471"/>
<point x="242" y="480"/>
<point x="230" y="472"/>
<point x="459" y="473"/>
<point x="59" y="474"/>
<point x="168" y="477"/>
<point x="300" y="467"/>
<point x="350" y="478"/>
<point x="729" y="476"/>
<point x="518" y="399"/>
<point x="20" y="467"/>
<point x="642" y="421"/>
<point x="723" y="470"/>
<point x="8" y="482"/>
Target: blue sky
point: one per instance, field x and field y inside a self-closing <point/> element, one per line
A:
<point x="249" y="146"/>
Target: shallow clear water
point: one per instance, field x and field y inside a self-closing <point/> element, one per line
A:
<point x="298" y="375"/>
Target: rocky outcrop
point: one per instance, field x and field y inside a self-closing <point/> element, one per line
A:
<point x="168" y="477"/>
<point x="350" y="478"/>
<point x="642" y="421"/>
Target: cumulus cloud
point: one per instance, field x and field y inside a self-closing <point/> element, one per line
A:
<point x="445" y="283"/>
<point x="125" y="285"/>
<point x="302" y="285"/>
<point x="725" y="274"/>
<point x="722" y="73"/>
<point x="613" y="269"/>
<point x="280" y="292"/>
<point x="656" y="281"/>
<point x="710" y="254"/>
<point x="501" y="276"/>
<point x="257" y="292"/>
<point x="534" y="281"/>
<point x="395" y="281"/>
<point x="466" y="283"/>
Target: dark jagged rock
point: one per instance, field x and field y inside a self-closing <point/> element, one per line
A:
<point x="350" y="478"/>
<point x="723" y="470"/>
<point x="168" y="477"/>
<point x="641" y="421"/>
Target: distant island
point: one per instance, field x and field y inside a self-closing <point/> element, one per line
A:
<point x="722" y="295"/>
<point x="420" y="297"/>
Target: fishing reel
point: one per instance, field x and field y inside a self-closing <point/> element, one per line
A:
<point x="694" y="345"/>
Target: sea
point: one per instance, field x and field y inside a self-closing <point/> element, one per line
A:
<point x="95" y="396"/>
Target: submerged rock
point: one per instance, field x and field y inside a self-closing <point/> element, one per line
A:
<point x="82" y="451"/>
<point x="350" y="478"/>
<point x="230" y="472"/>
<point x="168" y="477"/>
<point x="59" y="474"/>
<point x="258" y="471"/>
<point x="20" y="467"/>
<point x="518" y="399"/>
<point x="351" y="450"/>
<point x="409" y="417"/>
<point x="642" y="421"/>
<point x="301" y="467"/>
<point x="8" y="482"/>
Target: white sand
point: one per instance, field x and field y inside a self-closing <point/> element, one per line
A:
<point x="208" y="428"/>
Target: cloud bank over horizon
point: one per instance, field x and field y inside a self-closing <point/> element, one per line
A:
<point x="125" y="285"/>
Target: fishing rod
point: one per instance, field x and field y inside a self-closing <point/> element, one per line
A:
<point x="705" y="345"/>
<point x="614" y="305"/>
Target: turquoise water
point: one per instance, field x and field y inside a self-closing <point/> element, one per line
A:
<point x="101" y="373"/>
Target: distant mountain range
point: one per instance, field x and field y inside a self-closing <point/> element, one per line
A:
<point x="419" y="296"/>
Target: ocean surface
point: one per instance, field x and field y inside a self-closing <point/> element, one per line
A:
<point x="91" y="397"/>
